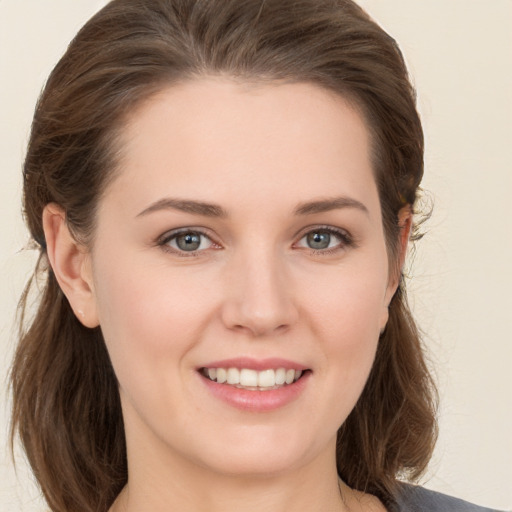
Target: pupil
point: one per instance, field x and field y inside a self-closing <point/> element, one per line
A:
<point x="188" y="241"/>
<point x="319" y="240"/>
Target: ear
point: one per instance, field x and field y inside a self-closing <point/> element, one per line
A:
<point x="70" y="262"/>
<point x="405" y="225"/>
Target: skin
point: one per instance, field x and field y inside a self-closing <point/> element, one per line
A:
<point x="254" y="288"/>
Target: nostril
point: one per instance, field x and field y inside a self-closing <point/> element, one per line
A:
<point x="259" y="308"/>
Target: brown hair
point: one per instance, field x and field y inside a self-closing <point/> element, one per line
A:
<point x="66" y="406"/>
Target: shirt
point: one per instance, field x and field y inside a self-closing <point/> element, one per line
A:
<point x="418" y="499"/>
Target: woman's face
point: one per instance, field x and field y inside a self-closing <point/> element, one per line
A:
<point x="242" y="239"/>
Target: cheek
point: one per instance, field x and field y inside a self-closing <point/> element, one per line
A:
<point x="349" y="309"/>
<point x="347" y="320"/>
<point x="150" y="327"/>
<point x="351" y="334"/>
<point x="146" y="316"/>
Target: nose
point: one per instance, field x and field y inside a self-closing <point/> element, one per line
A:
<point x="259" y="297"/>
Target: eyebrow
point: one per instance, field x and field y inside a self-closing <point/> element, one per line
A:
<point x="325" y="205"/>
<point x="213" y="210"/>
<point x="185" y="205"/>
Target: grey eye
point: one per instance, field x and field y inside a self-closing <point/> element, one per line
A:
<point x="318" y="239"/>
<point x="189" y="241"/>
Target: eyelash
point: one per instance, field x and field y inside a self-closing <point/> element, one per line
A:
<point x="164" y="240"/>
<point x="345" y="241"/>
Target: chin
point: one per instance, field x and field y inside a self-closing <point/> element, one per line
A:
<point x="256" y="466"/>
<point x="262" y="454"/>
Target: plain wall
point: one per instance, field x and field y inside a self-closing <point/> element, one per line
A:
<point x="460" y="56"/>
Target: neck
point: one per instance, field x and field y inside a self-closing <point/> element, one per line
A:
<point x="161" y="479"/>
<point x="182" y="485"/>
<point x="269" y="495"/>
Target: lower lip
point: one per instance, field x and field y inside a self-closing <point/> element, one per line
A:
<point x="257" y="401"/>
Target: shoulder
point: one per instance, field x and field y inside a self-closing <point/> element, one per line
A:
<point x="412" y="498"/>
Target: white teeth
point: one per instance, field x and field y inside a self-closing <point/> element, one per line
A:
<point x="252" y="379"/>
<point x="290" y="375"/>
<point x="221" y="375"/>
<point x="248" y="377"/>
<point x="280" y="376"/>
<point x="267" y="378"/>
<point x="233" y="376"/>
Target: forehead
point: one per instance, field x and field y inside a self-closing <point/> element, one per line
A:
<point x="221" y="138"/>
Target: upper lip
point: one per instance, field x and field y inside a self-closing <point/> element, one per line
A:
<point x="255" y="364"/>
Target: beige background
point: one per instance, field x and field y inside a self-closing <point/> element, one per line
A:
<point x="460" y="55"/>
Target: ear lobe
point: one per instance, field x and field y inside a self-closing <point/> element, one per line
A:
<point x="70" y="262"/>
<point x="405" y="225"/>
<point x="384" y="318"/>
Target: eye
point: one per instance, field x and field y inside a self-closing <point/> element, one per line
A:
<point x="325" y="240"/>
<point x="186" y="241"/>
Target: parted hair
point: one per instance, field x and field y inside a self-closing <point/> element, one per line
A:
<point x="66" y="406"/>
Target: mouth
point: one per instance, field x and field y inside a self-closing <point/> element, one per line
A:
<point x="253" y="380"/>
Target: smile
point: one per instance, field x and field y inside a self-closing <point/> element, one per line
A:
<point x="253" y="380"/>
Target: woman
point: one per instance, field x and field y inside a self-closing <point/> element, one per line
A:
<point x="223" y="193"/>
